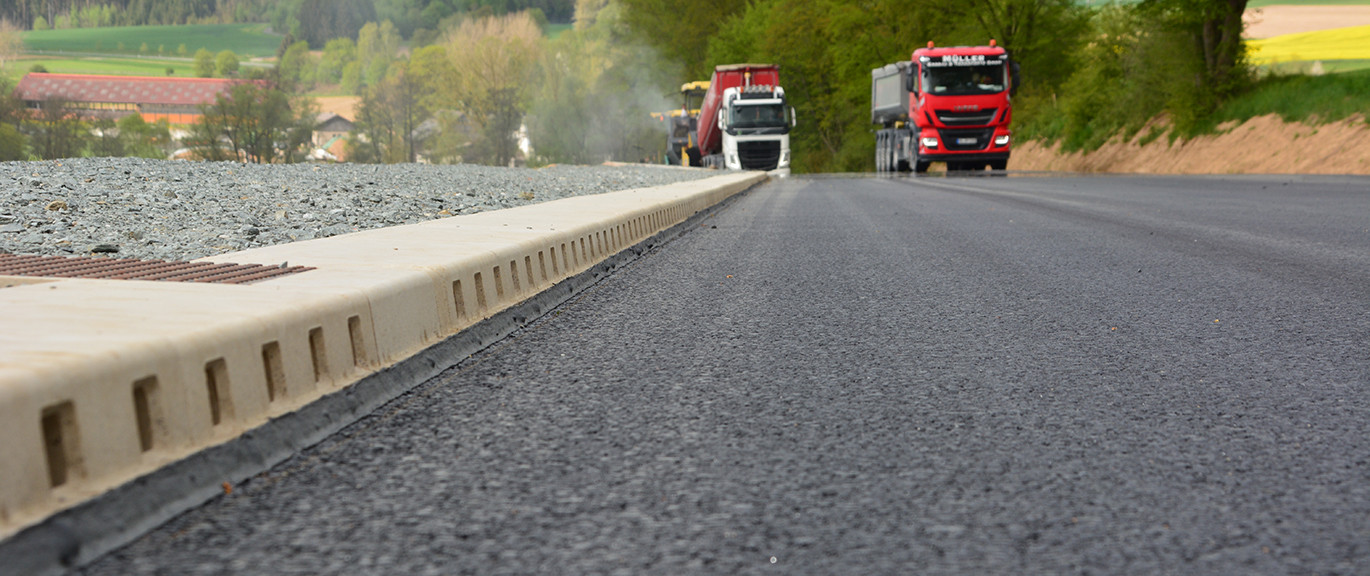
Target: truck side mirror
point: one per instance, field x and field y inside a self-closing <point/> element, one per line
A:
<point x="1014" y="78"/>
<point x="792" y="122"/>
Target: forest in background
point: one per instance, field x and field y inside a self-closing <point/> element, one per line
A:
<point x="1090" y="72"/>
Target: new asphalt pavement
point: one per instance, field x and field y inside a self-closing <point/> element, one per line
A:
<point x="833" y="375"/>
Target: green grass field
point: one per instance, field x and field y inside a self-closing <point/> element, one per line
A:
<point x="245" y="40"/>
<point x="1305" y="67"/>
<point x="16" y="69"/>
<point x="1295" y="98"/>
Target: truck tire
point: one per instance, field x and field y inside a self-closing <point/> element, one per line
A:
<point x="921" y="166"/>
<point x="882" y="156"/>
<point x="882" y="153"/>
<point x="879" y="145"/>
<point x="999" y="165"/>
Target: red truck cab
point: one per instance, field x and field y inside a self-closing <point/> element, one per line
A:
<point x="961" y="105"/>
<point x="951" y="105"/>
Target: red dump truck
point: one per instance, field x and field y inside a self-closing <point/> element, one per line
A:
<point x="949" y="105"/>
<point x="744" y="121"/>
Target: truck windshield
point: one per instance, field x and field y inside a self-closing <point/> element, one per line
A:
<point x="965" y="80"/>
<point x="758" y="116"/>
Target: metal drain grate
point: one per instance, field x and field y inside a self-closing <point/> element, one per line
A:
<point x="131" y="269"/>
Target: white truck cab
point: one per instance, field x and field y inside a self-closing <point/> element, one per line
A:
<point x="756" y="125"/>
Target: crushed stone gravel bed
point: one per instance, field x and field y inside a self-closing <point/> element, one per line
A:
<point x="177" y="210"/>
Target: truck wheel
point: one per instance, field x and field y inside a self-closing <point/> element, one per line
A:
<point x="921" y="166"/>
<point x="998" y="165"/>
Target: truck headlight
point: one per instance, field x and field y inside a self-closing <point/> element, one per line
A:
<point x="929" y="142"/>
<point x="1001" y="140"/>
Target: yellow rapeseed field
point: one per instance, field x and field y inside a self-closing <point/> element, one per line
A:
<point x="1351" y="43"/>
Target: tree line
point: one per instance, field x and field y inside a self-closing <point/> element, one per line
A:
<point x="316" y="21"/>
<point x="1088" y="71"/>
<point x="482" y="82"/>
<point x="58" y="14"/>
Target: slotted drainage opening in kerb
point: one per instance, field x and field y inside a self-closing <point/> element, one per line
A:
<point x="131" y="269"/>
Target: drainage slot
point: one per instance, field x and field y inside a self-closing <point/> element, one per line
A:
<point x="60" y="440"/>
<point x="145" y="404"/>
<point x="318" y="353"/>
<point x="275" y="370"/>
<point x="499" y="286"/>
<point x="458" y="299"/>
<point x="354" y="330"/>
<point x="480" y="294"/>
<point x="528" y="269"/>
<point x="216" y="382"/>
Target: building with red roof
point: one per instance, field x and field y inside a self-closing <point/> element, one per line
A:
<point x="178" y="100"/>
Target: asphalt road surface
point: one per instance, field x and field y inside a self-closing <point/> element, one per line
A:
<point x="1036" y="375"/>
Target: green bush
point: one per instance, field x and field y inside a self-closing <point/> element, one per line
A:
<point x="11" y="144"/>
<point x="1301" y="98"/>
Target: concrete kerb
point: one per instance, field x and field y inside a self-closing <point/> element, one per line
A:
<point x="151" y="398"/>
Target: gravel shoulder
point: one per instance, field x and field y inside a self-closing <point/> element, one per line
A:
<point x="175" y="210"/>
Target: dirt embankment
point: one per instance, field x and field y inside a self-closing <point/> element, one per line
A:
<point x="1263" y="145"/>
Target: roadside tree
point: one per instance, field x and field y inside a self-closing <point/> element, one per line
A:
<point x="204" y="63"/>
<point x="226" y="64"/>
<point x="56" y="131"/>
<point x="298" y="66"/>
<point x="11" y="108"/>
<point x="388" y="118"/>
<point x="104" y="139"/>
<point x="493" y="60"/>
<point x="142" y="139"/>
<point x="11" y="144"/>
<point x="377" y="46"/>
<point x="337" y="54"/>
<point x="12" y="141"/>
<point x="254" y="122"/>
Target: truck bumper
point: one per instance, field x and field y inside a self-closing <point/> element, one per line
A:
<point x="968" y="157"/>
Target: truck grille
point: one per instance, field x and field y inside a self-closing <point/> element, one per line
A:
<point x="966" y="140"/>
<point x="760" y="155"/>
<point x="976" y="118"/>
